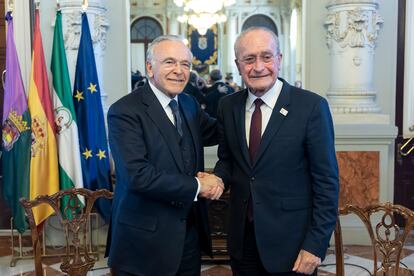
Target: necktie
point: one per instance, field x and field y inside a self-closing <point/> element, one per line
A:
<point x="177" y="118"/>
<point x="254" y="143"/>
<point x="255" y="130"/>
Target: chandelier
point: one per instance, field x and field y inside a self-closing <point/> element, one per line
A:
<point x="203" y="14"/>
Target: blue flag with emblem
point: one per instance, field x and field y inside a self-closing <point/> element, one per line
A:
<point x="92" y="135"/>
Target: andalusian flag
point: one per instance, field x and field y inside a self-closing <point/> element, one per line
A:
<point x="16" y="134"/>
<point x="92" y="134"/>
<point x="70" y="171"/>
<point x="44" y="177"/>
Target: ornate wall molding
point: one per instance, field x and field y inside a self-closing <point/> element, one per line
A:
<point x="361" y="28"/>
<point x="352" y="29"/>
<point x="98" y="22"/>
<point x="99" y="26"/>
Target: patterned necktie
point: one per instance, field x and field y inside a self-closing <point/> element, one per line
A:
<point x="255" y="130"/>
<point x="254" y="143"/>
<point x="177" y="118"/>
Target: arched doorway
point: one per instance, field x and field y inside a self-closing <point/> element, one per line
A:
<point x="143" y="31"/>
<point x="260" y="20"/>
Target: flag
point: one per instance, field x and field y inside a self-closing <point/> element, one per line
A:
<point x="70" y="171"/>
<point x="44" y="177"/>
<point x="92" y="134"/>
<point x="16" y="134"/>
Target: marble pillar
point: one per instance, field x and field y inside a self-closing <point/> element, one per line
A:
<point x="352" y="30"/>
<point x="232" y="31"/>
<point x="173" y="24"/>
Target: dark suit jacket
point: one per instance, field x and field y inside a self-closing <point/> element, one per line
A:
<point x="195" y="92"/>
<point x="213" y="94"/>
<point x="293" y="182"/>
<point x="153" y="196"/>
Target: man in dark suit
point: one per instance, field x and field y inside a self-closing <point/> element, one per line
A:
<point x="215" y="92"/>
<point x="192" y="89"/>
<point x="276" y="151"/>
<point x="156" y="134"/>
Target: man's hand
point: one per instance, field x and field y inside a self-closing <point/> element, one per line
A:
<point x="306" y="262"/>
<point x="211" y="186"/>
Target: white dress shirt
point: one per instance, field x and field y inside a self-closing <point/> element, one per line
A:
<point x="269" y="99"/>
<point x="165" y="101"/>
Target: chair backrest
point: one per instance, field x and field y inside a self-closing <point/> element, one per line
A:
<point x="386" y="237"/>
<point x="74" y="218"/>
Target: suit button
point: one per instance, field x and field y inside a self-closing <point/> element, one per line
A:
<point x="252" y="179"/>
<point x="244" y="201"/>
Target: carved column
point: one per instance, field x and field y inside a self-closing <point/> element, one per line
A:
<point x="352" y="29"/>
<point x="173" y="23"/>
<point x="284" y="41"/>
<point x="232" y="31"/>
<point x="98" y="24"/>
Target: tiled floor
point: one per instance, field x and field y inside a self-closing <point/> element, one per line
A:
<point x="358" y="262"/>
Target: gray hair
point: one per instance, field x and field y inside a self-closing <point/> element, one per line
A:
<point x="252" y="29"/>
<point x="158" y="40"/>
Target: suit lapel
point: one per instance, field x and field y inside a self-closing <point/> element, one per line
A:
<point x="276" y="119"/>
<point x="239" y="112"/>
<point x="188" y="114"/>
<point x="157" y="114"/>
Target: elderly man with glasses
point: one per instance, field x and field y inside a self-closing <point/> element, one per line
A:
<point x="156" y="134"/>
<point x="276" y="153"/>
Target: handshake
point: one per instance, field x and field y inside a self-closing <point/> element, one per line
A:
<point x="211" y="186"/>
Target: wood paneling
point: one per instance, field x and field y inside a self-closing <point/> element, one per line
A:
<point x="404" y="165"/>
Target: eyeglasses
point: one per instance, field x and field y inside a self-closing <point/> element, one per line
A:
<point x="171" y="63"/>
<point x="265" y="58"/>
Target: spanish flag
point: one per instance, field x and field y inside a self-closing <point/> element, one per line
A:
<point x="44" y="177"/>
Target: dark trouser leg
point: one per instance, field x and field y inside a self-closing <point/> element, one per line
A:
<point x="250" y="264"/>
<point x="191" y="259"/>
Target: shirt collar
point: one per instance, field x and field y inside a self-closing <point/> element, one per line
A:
<point x="162" y="98"/>
<point x="269" y="98"/>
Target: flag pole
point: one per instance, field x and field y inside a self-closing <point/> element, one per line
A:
<point x="58" y="5"/>
<point x="37" y="4"/>
<point x="85" y="5"/>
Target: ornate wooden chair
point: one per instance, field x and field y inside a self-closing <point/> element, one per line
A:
<point x="74" y="219"/>
<point x="386" y="237"/>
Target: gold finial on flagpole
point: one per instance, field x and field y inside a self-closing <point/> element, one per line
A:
<point x="85" y="5"/>
<point x="11" y="6"/>
<point x="37" y="4"/>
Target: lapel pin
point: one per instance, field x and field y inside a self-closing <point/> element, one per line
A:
<point x="283" y="111"/>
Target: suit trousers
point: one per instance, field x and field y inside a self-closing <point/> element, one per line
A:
<point x="251" y="264"/>
<point x="191" y="259"/>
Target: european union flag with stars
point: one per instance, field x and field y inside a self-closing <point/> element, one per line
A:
<point x="92" y="134"/>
